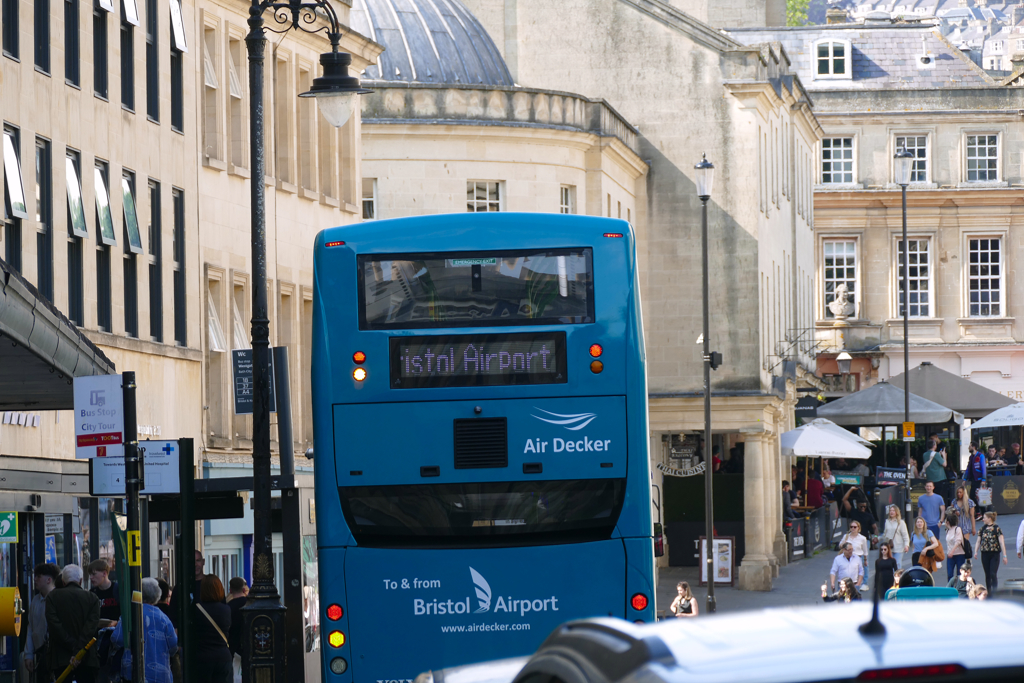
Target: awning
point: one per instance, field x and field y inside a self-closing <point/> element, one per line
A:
<point x="40" y="350"/>
<point x="882" y="404"/>
<point x="962" y="395"/>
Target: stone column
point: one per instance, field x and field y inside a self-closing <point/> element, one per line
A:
<point x="755" y="572"/>
<point x="777" y="548"/>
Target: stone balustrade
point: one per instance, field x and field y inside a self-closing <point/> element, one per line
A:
<point x="489" y="105"/>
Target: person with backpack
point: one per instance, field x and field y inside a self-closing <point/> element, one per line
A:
<point x="958" y="546"/>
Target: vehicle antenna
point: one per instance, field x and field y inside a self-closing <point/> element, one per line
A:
<point x="875" y="626"/>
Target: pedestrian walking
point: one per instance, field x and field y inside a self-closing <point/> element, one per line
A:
<point x="44" y="579"/>
<point x="931" y="507"/>
<point x="963" y="582"/>
<point x="684" y="604"/>
<point x="187" y="590"/>
<point x="956" y="554"/>
<point x="238" y="596"/>
<point x="976" y="470"/>
<point x="991" y="545"/>
<point x="846" y="566"/>
<point x="212" y="623"/>
<point x="1020" y="540"/>
<point x="964" y="508"/>
<point x="885" y="568"/>
<point x="896" y="533"/>
<point x="72" y="620"/>
<point x="159" y="640"/>
<point x="934" y="468"/>
<point x="922" y="541"/>
<point x="860" y="545"/>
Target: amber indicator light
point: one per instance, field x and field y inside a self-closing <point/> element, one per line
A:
<point x="596" y="367"/>
<point x="359" y="374"/>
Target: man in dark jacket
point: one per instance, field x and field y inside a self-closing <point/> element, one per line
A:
<point x="72" y="619"/>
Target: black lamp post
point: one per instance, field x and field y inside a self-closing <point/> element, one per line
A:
<point x="903" y="164"/>
<point x="263" y="649"/>
<point x="705" y="173"/>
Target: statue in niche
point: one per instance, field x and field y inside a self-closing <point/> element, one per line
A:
<point x="841" y="306"/>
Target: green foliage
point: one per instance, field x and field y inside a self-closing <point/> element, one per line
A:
<point x="796" y="12"/>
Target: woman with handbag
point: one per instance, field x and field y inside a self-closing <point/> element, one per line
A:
<point x="896" y="533"/>
<point x="885" y="568"/>
<point x="924" y="543"/>
<point x="212" y="623"/>
<point x="957" y="545"/>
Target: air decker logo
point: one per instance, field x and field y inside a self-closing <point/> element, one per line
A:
<point x="484" y="598"/>
<point x="573" y="423"/>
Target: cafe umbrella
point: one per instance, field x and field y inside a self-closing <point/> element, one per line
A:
<point x="1010" y="416"/>
<point x="822" y="441"/>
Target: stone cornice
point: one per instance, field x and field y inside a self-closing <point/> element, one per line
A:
<point x="917" y="199"/>
<point x="702" y="33"/>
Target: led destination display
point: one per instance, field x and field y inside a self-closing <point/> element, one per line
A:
<point x="473" y="360"/>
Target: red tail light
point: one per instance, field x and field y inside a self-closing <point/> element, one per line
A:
<point x="334" y="612"/>
<point x="596" y="350"/>
<point x="358" y="357"/>
<point x="607" y="234"/>
<point x="904" y="673"/>
<point x="335" y="244"/>
<point x="639" y="602"/>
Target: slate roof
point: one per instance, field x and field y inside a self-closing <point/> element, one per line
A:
<point x="884" y="56"/>
<point x="429" y="41"/>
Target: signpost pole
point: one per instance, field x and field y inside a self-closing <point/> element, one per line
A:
<point x="132" y="486"/>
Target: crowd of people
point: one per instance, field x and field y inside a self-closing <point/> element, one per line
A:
<point x="70" y="627"/>
<point x="953" y="527"/>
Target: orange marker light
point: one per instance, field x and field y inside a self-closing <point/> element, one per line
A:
<point x="607" y="234"/>
<point x="359" y="374"/>
<point x="337" y="638"/>
<point x="335" y="244"/>
<point x="639" y="602"/>
<point x="596" y="367"/>
<point x="596" y="350"/>
<point x="358" y="357"/>
<point x="334" y="612"/>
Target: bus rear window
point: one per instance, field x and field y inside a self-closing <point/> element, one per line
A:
<point x="501" y="512"/>
<point x="478" y="289"/>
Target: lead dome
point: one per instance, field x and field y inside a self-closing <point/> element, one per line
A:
<point x="429" y="41"/>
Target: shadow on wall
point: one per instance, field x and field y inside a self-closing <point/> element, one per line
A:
<point x="674" y="261"/>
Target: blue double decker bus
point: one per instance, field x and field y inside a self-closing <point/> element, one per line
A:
<point x="480" y="417"/>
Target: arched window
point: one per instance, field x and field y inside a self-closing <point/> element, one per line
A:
<point x="832" y="59"/>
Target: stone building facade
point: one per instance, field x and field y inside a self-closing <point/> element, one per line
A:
<point x="963" y="206"/>
<point x="130" y="129"/>
<point x="593" y="117"/>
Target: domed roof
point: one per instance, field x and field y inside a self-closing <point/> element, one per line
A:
<point x="429" y="41"/>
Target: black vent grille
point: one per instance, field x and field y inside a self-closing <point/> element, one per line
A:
<point x="481" y="442"/>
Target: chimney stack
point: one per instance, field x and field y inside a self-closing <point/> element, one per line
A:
<point x="835" y="16"/>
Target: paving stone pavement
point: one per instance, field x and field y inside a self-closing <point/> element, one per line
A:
<point x="800" y="582"/>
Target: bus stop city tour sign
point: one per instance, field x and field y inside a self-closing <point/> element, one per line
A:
<point x="99" y="417"/>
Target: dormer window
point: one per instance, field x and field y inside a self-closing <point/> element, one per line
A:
<point x="832" y="59"/>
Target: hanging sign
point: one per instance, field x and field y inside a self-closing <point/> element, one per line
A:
<point x="674" y="472"/>
<point x="8" y="527"/>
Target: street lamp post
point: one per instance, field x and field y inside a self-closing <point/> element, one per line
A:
<point x="705" y="173"/>
<point x="263" y="648"/>
<point x="903" y="164"/>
